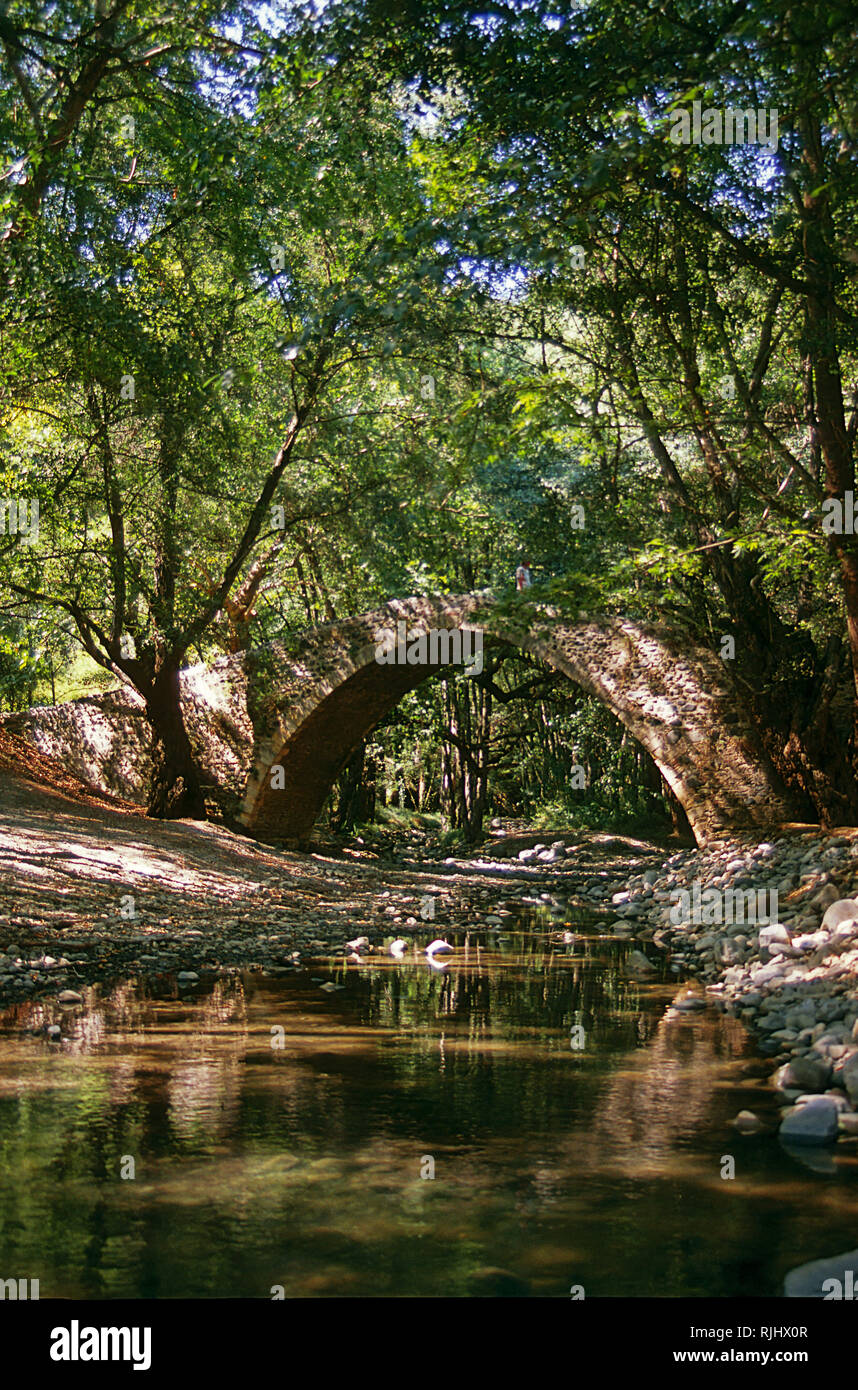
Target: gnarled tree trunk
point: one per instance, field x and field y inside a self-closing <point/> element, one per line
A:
<point x="176" y="790"/>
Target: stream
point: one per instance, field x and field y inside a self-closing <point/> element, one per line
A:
<point x="526" y="1119"/>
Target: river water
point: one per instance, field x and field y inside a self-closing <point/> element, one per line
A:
<point x="283" y="1137"/>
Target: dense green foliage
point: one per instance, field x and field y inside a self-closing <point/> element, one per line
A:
<point x="301" y="309"/>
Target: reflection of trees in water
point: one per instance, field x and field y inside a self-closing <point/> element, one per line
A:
<point x="146" y="1076"/>
<point x="469" y="1048"/>
<point x="531" y="992"/>
<point x="227" y="1003"/>
<point x="465" y="1049"/>
<point x="478" y="1071"/>
<point x="204" y="1097"/>
<point x="84" y="1027"/>
<point x="204" y="1085"/>
<point x="661" y="1095"/>
<point x="124" y="1016"/>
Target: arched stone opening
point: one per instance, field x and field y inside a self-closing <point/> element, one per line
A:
<point x="313" y="708"/>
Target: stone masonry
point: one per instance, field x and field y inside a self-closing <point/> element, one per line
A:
<point x="306" y="709"/>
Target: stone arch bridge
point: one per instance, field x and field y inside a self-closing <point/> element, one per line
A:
<point x="273" y="727"/>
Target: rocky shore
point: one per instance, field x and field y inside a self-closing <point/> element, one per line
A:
<point x="771" y="932"/>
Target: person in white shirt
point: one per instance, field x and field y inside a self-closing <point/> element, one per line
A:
<point x="523" y="577"/>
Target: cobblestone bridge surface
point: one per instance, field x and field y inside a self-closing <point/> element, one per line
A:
<point x="273" y="727"/>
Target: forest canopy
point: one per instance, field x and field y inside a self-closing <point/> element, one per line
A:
<point x="304" y="307"/>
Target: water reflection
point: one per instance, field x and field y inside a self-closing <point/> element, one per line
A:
<point x="575" y="1127"/>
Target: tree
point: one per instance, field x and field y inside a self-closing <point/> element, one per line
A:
<point x="197" y="322"/>
<point x="647" y="274"/>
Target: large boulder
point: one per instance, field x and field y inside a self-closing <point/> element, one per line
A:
<point x="804" y="1074"/>
<point x="815" y="1122"/>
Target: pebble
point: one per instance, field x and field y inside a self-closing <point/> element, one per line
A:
<point x="772" y="939"/>
<point x="746" y="1122"/>
<point x="689" y="1003"/>
<point x="847" y="1076"/>
<point x="638" y="964"/>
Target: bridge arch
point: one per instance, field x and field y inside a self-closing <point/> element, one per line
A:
<point x="313" y="705"/>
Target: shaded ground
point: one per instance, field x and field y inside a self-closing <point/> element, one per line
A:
<point x="90" y="888"/>
<point x="22" y="765"/>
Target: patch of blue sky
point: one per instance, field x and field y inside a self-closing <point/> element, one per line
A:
<point x="507" y="284"/>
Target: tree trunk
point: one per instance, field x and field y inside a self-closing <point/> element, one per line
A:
<point x="176" y="789"/>
<point x="356" y="793"/>
<point x="465" y="757"/>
